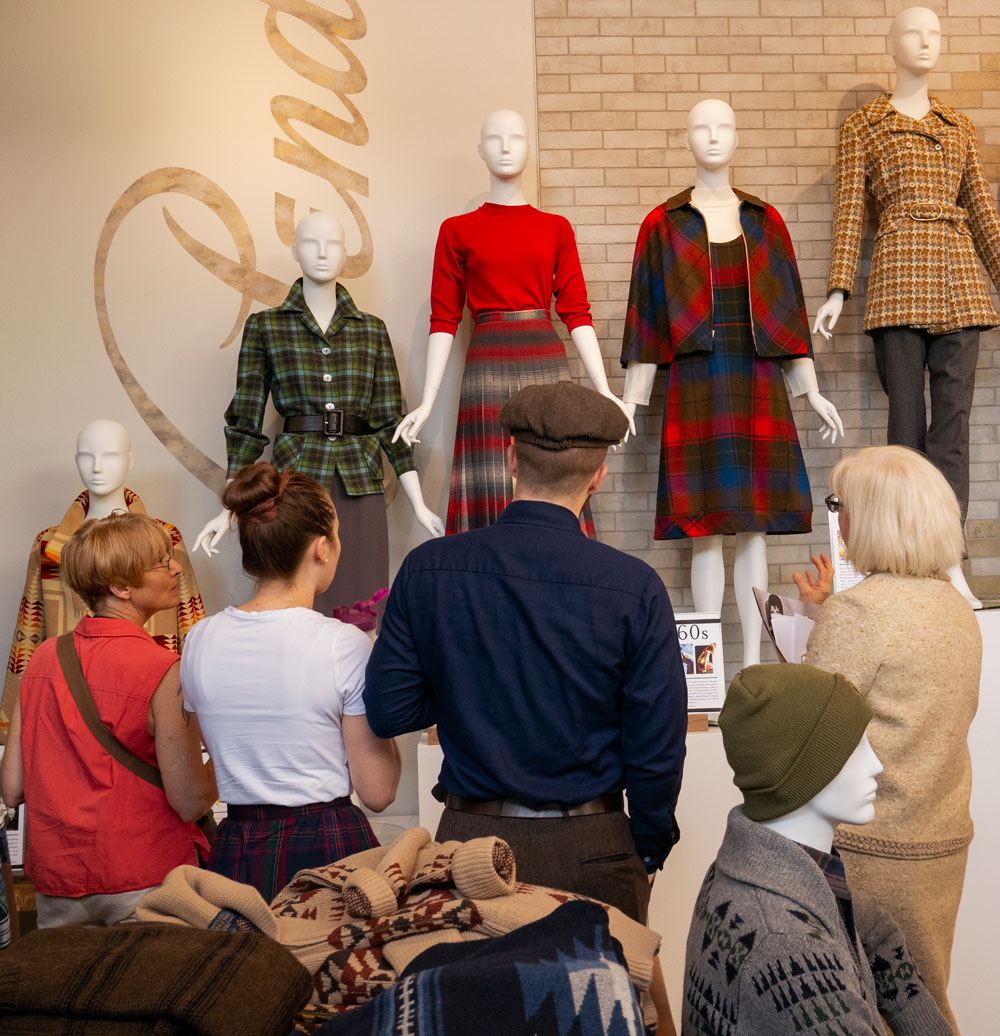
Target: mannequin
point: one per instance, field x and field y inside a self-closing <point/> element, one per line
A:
<point x="722" y="216"/>
<point x="284" y="351"/>
<point x="926" y="298"/>
<point x="49" y="607"/>
<point x="504" y="257"/>
<point x="777" y="943"/>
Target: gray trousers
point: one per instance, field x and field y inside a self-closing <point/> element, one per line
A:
<point x="901" y="355"/>
<point x="591" y="856"/>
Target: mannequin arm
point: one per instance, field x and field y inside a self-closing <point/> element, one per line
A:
<point x="410" y="483"/>
<point x="438" y="349"/>
<point x="833" y="426"/>
<point x="638" y="387"/>
<point x="829" y="313"/>
<point x="639" y="383"/>
<point x="213" y="532"/>
<point x="585" y="339"/>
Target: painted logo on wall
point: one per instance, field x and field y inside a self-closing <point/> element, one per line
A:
<point x="294" y="149"/>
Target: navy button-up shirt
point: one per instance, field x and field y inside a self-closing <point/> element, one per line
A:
<point x="549" y="663"/>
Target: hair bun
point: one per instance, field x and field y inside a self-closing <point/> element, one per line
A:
<point x="254" y="492"/>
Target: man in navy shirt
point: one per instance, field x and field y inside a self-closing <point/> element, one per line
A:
<point x="549" y="663"/>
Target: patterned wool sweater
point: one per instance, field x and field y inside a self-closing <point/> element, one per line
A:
<point x="767" y="951"/>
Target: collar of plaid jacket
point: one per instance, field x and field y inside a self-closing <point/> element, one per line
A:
<point x="670" y="300"/>
<point x="875" y="111"/>
<point x="295" y="302"/>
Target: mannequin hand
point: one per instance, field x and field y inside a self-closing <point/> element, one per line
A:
<point x="811" y="589"/>
<point x="410" y="426"/>
<point x="430" y="521"/>
<point x="628" y="409"/>
<point x="829" y="314"/>
<point x="828" y="412"/>
<point x="213" y="532"/>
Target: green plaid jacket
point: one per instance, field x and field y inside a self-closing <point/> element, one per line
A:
<point x="284" y="353"/>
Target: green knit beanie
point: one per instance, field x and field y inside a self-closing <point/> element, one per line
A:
<point x="788" y="730"/>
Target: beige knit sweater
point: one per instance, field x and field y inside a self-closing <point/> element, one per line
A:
<point x="912" y="647"/>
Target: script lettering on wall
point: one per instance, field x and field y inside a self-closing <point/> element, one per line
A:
<point x="241" y="275"/>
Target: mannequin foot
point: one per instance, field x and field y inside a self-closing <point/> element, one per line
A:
<point x="957" y="577"/>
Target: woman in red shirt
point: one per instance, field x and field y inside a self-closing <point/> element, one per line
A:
<point x="101" y="837"/>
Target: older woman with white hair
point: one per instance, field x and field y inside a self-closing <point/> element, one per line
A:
<point x="910" y="643"/>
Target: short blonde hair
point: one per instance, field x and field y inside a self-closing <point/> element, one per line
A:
<point x="904" y="517"/>
<point x="112" y="551"/>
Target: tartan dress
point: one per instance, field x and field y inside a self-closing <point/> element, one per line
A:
<point x="730" y="460"/>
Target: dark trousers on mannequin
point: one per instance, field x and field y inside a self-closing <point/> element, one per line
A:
<point x="901" y="355"/>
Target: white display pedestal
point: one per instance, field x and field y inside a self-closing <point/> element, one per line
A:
<point x="707" y="795"/>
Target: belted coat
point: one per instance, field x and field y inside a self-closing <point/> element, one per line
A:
<point x="935" y="214"/>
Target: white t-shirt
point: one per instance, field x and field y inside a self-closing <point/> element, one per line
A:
<point x="269" y="689"/>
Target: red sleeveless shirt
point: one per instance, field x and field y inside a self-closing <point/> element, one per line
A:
<point x="93" y="826"/>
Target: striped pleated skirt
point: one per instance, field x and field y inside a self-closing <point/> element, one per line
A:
<point x="506" y="352"/>
<point x="730" y="460"/>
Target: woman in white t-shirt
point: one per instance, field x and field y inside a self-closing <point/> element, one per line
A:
<point x="277" y="689"/>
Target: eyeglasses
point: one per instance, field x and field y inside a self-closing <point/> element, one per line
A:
<point x="166" y="563"/>
<point x="832" y="503"/>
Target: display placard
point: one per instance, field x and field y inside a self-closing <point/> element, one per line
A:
<point x="845" y="575"/>
<point x="700" y="639"/>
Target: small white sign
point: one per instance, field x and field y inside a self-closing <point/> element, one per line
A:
<point x="700" y="639"/>
<point x="845" y="575"/>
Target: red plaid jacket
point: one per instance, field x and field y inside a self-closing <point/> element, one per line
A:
<point x="670" y="300"/>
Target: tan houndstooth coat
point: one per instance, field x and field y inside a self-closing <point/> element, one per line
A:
<point x="935" y="212"/>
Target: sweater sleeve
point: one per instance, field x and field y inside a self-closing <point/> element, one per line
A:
<point x="903" y="999"/>
<point x="387" y="404"/>
<point x="848" y="208"/>
<point x="568" y="284"/>
<point x="447" y="281"/>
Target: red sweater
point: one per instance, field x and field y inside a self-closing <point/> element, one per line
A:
<point x="94" y="826"/>
<point x="506" y="257"/>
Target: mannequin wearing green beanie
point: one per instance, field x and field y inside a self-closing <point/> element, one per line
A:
<point x="776" y="944"/>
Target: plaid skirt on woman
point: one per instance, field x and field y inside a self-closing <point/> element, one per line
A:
<point x="266" y="846"/>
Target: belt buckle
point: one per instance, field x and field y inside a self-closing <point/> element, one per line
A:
<point x="928" y="219"/>
<point x="333" y="423"/>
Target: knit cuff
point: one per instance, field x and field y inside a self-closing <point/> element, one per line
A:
<point x="367" y="894"/>
<point x="483" y="868"/>
<point x="923" y="1018"/>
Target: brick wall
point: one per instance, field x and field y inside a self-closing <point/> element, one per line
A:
<point x="616" y="79"/>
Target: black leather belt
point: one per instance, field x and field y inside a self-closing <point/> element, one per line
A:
<point x="333" y="423"/>
<point x="612" y="803"/>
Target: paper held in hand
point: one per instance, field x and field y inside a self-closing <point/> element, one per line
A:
<point x="700" y="638"/>
<point x="788" y="623"/>
<point x="844" y="573"/>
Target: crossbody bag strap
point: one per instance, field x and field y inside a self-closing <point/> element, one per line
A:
<point x="77" y="683"/>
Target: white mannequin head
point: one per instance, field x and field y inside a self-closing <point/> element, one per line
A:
<point x="103" y="458"/>
<point x="711" y="134"/>
<point x="848" y="799"/>
<point x="503" y="143"/>
<point x="319" y="247"/>
<point x="914" y="40"/>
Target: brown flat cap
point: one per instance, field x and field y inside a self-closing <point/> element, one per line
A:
<point x="563" y="416"/>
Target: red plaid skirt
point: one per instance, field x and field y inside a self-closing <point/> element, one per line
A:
<point x="506" y="352"/>
<point x="266" y="846"/>
<point x="730" y="459"/>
